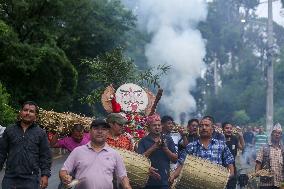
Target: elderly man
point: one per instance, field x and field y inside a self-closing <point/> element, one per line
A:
<point x="160" y="149"/>
<point x="208" y="148"/>
<point x="117" y="136"/>
<point x="25" y="147"/>
<point x="270" y="157"/>
<point x="95" y="163"/>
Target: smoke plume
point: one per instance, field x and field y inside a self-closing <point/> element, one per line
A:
<point x="176" y="42"/>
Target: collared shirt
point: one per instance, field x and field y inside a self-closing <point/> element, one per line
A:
<point x="26" y="153"/>
<point x="70" y="144"/>
<point x="122" y="141"/>
<point x="96" y="167"/>
<point x="158" y="158"/>
<point x="276" y="164"/>
<point x="216" y="152"/>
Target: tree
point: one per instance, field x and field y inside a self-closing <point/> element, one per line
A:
<point x="239" y="50"/>
<point x="42" y="43"/>
<point x="7" y="113"/>
<point x="240" y="117"/>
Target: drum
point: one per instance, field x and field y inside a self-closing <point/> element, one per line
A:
<point x="137" y="167"/>
<point x="198" y="173"/>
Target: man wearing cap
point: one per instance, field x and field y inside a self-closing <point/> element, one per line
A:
<point x="117" y="136"/>
<point x="270" y="157"/>
<point x="95" y="163"/>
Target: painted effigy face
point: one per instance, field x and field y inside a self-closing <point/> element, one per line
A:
<point x="131" y="98"/>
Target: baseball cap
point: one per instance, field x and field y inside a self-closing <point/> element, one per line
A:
<point x="117" y="118"/>
<point x="99" y="122"/>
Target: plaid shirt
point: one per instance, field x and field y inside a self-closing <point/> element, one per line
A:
<point x="276" y="164"/>
<point x="217" y="152"/>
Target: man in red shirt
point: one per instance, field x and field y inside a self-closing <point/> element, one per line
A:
<point x="117" y="136"/>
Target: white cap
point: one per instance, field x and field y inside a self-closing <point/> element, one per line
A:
<point x="277" y="127"/>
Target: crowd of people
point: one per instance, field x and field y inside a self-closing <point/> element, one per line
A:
<point x="26" y="151"/>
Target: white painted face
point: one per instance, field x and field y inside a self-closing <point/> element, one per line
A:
<point x="131" y="97"/>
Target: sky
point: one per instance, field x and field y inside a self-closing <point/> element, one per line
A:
<point x="262" y="11"/>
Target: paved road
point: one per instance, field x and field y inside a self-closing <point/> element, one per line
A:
<point x="54" y="179"/>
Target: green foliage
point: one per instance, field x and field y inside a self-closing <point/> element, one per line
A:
<point x="240" y="117"/>
<point x="240" y="53"/>
<point x="42" y="43"/>
<point x="7" y="113"/>
<point x="117" y="69"/>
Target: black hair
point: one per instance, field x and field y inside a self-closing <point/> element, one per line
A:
<point x="166" y="118"/>
<point x="31" y="103"/>
<point x="210" y="118"/>
<point x="192" y="120"/>
<point x="224" y="124"/>
<point x="77" y="127"/>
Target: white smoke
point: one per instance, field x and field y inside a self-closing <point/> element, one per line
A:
<point x="175" y="42"/>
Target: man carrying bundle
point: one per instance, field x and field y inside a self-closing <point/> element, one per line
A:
<point x="208" y="148"/>
<point x="270" y="158"/>
<point x="78" y="138"/>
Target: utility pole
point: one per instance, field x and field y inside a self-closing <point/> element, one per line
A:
<point x="216" y="78"/>
<point x="270" y="74"/>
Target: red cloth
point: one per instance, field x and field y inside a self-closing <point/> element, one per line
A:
<point x="152" y="118"/>
<point x="116" y="108"/>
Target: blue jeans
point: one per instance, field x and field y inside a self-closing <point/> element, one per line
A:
<point x="31" y="182"/>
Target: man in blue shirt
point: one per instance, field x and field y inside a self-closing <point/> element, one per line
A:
<point x="207" y="147"/>
<point x="160" y="149"/>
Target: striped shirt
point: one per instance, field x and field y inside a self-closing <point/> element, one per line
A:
<point x="260" y="140"/>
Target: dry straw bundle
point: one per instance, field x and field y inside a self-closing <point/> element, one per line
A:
<point x="199" y="173"/>
<point x="137" y="167"/>
<point x="62" y="123"/>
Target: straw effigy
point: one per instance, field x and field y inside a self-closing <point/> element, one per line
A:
<point x="137" y="167"/>
<point x="62" y="123"/>
<point x="198" y="173"/>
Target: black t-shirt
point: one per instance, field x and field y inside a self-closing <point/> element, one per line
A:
<point x="232" y="143"/>
<point x="248" y="137"/>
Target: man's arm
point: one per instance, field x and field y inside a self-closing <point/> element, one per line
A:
<point x="175" y="174"/>
<point x="257" y="166"/>
<point x="147" y="152"/>
<point x="4" y="146"/>
<point x="259" y="159"/>
<point x="228" y="159"/>
<point x="173" y="157"/>
<point x="53" y="141"/>
<point x="65" y="177"/>
<point x="44" y="160"/>
<point x="184" y="137"/>
<point x="231" y="169"/>
<point x="241" y="143"/>
<point x="120" y="172"/>
<point x="170" y="150"/>
<point x="44" y="156"/>
<point x="125" y="183"/>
